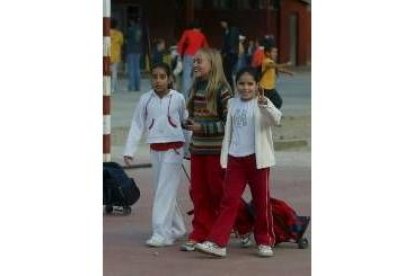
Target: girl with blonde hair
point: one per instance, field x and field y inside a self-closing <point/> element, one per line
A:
<point x="207" y="107"/>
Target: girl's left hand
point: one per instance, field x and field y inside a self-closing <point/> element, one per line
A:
<point x="193" y="126"/>
<point x="261" y="100"/>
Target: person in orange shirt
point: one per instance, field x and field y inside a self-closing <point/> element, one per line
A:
<point x="270" y="71"/>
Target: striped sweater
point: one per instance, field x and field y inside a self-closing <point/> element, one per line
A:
<point x="210" y="139"/>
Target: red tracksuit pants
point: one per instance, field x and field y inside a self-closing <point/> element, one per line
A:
<point x="206" y="190"/>
<point x="240" y="172"/>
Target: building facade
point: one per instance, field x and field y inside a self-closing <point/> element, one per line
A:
<point x="288" y="21"/>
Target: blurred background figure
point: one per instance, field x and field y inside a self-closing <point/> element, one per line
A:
<point x="241" y="61"/>
<point x="190" y="42"/>
<point x="117" y="40"/>
<point x="230" y="49"/>
<point x="134" y="52"/>
<point x="176" y="67"/>
<point x="158" y="52"/>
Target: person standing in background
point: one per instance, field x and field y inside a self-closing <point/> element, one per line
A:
<point x="117" y="40"/>
<point x="190" y="42"/>
<point x="241" y="61"/>
<point x="230" y="50"/>
<point x="134" y="52"/>
<point x="158" y="51"/>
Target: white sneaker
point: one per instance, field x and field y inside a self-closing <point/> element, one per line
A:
<point x="264" y="251"/>
<point x="211" y="248"/>
<point x="154" y="242"/>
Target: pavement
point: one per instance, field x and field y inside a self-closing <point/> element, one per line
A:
<point x="124" y="250"/>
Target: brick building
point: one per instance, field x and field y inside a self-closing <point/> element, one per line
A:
<point x="289" y="21"/>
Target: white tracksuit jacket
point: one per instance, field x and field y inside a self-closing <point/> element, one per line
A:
<point x="159" y="118"/>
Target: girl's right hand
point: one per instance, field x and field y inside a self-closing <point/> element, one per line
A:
<point x="128" y="160"/>
<point x="193" y="126"/>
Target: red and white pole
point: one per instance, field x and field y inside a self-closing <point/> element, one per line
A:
<point x="106" y="81"/>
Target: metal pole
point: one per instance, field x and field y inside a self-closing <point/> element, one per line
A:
<point x="106" y="81"/>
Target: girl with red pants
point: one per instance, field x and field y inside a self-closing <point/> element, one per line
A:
<point x="207" y="107"/>
<point x="248" y="154"/>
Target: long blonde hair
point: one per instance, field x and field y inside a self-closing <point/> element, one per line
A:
<point x="216" y="81"/>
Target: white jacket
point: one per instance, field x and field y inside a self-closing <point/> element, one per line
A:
<point x="265" y="117"/>
<point x="159" y="118"/>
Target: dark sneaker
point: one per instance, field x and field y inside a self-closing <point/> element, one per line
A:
<point x="188" y="245"/>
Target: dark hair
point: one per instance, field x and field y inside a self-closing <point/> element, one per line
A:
<point x="249" y="70"/>
<point x="114" y="23"/>
<point x="194" y="25"/>
<point x="167" y="70"/>
<point x="227" y="20"/>
<point x="268" y="48"/>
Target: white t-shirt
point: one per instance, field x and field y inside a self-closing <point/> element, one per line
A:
<point x="242" y="134"/>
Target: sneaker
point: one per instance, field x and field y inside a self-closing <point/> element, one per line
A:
<point x="264" y="251"/>
<point x="211" y="248"/>
<point x="246" y="242"/>
<point x="188" y="245"/>
<point x="154" y="242"/>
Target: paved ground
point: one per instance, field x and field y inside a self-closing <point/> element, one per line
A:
<point x="124" y="236"/>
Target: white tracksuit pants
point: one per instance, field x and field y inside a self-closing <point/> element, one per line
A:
<point x="167" y="220"/>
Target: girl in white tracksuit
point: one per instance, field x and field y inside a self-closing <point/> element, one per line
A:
<point x="159" y="114"/>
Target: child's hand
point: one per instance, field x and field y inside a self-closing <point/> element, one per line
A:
<point x="193" y="126"/>
<point x="128" y="160"/>
<point x="261" y="100"/>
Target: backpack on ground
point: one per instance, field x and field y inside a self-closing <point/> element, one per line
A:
<point x="287" y="225"/>
<point x="118" y="188"/>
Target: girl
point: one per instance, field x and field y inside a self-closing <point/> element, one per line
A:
<point x="160" y="113"/>
<point x="247" y="153"/>
<point x="207" y="108"/>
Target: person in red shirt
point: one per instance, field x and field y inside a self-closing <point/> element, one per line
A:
<point x="190" y="42"/>
<point x="258" y="57"/>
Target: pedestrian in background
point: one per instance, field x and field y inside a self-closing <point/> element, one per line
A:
<point x="270" y="72"/>
<point x="207" y="107"/>
<point x="159" y="114"/>
<point x="117" y="40"/>
<point x="134" y="53"/>
<point x="176" y="66"/>
<point x="251" y="48"/>
<point x="158" y="51"/>
<point x="258" y="56"/>
<point x="230" y="49"/>
<point x="247" y="153"/>
<point x="190" y="42"/>
<point x="241" y="60"/>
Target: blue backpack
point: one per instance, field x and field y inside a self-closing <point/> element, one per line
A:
<point x="118" y="188"/>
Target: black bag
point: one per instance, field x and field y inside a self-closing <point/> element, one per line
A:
<point x="118" y="188"/>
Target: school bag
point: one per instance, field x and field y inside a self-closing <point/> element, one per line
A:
<point x="287" y="225"/>
<point x="118" y="188"/>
